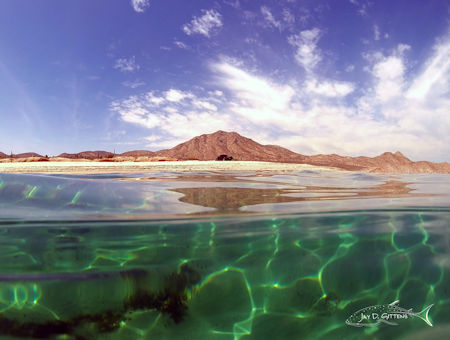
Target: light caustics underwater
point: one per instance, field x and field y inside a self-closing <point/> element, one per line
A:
<point x="222" y="255"/>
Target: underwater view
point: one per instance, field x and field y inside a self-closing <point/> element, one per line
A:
<point x="225" y="255"/>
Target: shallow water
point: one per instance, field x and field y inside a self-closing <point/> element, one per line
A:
<point x="222" y="255"/>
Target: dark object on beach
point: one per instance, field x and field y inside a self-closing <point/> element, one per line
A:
<point x="224" y="158"/>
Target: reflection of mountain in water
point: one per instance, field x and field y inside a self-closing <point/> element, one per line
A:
<point x="231" y="199"/>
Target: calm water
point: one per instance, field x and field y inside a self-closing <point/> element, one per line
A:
<point x="229" y="255"/>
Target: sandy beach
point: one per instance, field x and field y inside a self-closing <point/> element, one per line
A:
<point x="132" y="167"/>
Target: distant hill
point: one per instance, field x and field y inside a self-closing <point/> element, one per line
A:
<point x="20" y="155"/>
<point x="384" y="163"/>
<point x="27" y="154"/>
<point x="138" y="153"/>
<point x="87" y="155"/>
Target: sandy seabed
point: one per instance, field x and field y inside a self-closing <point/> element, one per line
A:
<point x="130" y="167"/>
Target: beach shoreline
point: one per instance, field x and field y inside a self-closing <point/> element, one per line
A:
<point x="166" y="166"/>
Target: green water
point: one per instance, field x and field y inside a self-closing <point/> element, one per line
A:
<point x="222" y="255"/>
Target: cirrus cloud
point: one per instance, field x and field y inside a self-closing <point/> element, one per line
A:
<point x="207" y="24"/>
<point x="126" y="64"/>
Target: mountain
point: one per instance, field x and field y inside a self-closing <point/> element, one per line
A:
<point x="138" y="153"/>
<point x="27" y="155"/>
<point x="20" y="155"/>
<point x="209" y="146"/>
<point x="87" y="155"/>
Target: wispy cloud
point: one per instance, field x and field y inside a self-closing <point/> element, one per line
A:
<point x="254" y="98"/>
<point x="177" y="113"/>
<point x="329" y="88"/>
<point x="288" y="17"/>
<point x="180" y="44"/>
<point x="133" y="84"/>
<point x="350" y="68"/>
<point x="177" y="96"/>
<point x="434" y="78"/>
<point x="269" y="18"/>
<point x="233" y="3"/>
<point x="207" y="24"/>
<point x="285" y="21"/>
<point x="376" y="32"/>
<point x="126" y="64"/>
<point x="307" y="53"/>
<point x="362" y="6"/>
<point x="140" y="5"/>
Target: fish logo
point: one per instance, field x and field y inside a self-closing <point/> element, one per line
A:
<point x="374" y="315"/>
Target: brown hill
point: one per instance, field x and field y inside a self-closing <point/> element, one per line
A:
<point x="20" y="155"/>
<point x="27" y="154"/>
<point x="87" y="155"/>
<point x="138" y="153"/>
<point x="387" y="162"/>
<point x="209" y="146"/>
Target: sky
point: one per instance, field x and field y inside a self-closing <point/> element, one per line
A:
<point x="352" y="77"/>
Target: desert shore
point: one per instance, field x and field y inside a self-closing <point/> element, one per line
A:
<point x="133" y="167"/>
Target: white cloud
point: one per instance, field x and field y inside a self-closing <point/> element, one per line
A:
<point x="180" y="44"/>
<point x="350" y="68"/>
<point x="307" y="54"/>
<point x="176" y="96"/>
<point x="153" y="138"/>
<point x="288" y="17"/>
<point x="177" y="113"/>
<point x="201" y="104"/>
<point x="362" y="6"/>
<point x="235" y="4"/>
<point x="330" y="88"/>
<point x="269" y="18"/>
<point x="140" y="5"/>
<point x="435" y="75"/>
<point x="376" y="32"/>
<point x="133" y="84"/>
<point x="388" y="74"/>
<point x="126" y="65"/>
<point x="253" y="95"/>
<point x="158" y="143"/>
<point x="207" y="24"/>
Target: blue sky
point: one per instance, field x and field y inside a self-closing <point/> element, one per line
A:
<point x="352" y="77"/>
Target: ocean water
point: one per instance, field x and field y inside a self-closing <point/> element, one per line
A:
<point x="224" y="255"/>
